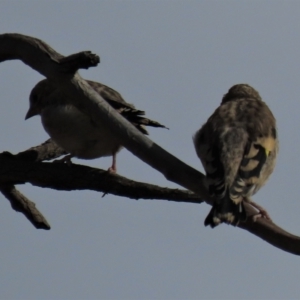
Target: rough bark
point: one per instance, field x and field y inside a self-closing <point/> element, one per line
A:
<point x="22" y="204"/>
<point x="27" y="167"/>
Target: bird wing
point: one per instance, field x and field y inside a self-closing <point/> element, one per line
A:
<point x="237" y="147"/>
<point x="48" y="92"/>
<point x="110" y="95"/>
<point x="127" y="110"/>
<point x="221" y="152"/>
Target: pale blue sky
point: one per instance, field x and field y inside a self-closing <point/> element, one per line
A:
<point x="174" y="59"/>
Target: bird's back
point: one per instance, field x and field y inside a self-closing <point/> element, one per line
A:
<point x="237" y="147"/>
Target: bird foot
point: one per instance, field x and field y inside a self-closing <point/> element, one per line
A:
<point x="262" y="213"/>
<point x="112" y="170"/>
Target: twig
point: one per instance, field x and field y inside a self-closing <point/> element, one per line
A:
<point x="22" y="204"/>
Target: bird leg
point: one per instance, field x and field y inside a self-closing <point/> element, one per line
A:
<point x="113" y="168"/>
<point x="262" y="213"/>
<point x="66" y="159"/>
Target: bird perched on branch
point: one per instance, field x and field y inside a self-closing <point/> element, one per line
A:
<point x="237" y="147"/>
<point x="75" y="131"/>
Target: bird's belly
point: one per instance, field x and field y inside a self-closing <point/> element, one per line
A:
<point x="75" y="133"/>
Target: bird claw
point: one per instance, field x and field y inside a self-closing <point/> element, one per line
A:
<point x="112" y="170"/>
<point x="262" y="213"/>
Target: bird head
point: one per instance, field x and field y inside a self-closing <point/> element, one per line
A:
<point x="33" y="107"/>
<point x="241" y="91"/>
<point x="37" y="99"/>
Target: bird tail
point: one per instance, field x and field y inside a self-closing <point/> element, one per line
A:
<point x="135" y="117"/>
<point x="226" y="211"/>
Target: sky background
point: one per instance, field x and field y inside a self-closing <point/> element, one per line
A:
<point x="175" y="60"/>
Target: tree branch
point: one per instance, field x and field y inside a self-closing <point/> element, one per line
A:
<point x="41" y="57"/>
<point x="22" y="204"/>
<point x="26" y="166"/>
<point x="18" y="201"/>
<point x="46" y="61"/>
<point x="15" y="169"/>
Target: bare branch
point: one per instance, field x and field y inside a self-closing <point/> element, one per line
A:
<point x="45" y="60"/>
<point x="19" y="202"/>
<point x="273" y="234"/>
<point x="22" y="204"/>
<point x="46" y="151"/>
<point x="60" y="176"/>
<point x="41" y="57"/>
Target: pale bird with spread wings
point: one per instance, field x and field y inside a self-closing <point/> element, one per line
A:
<point x="237" y="146"/>
<point x="75" y="131"/>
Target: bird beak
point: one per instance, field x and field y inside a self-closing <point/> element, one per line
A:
<point x="31" y="112"/>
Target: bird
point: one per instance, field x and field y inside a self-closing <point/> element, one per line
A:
<point x="74" y="131"/>
<point x="237" y="146"/>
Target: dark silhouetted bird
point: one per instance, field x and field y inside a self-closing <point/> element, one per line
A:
<point x="75" y="131"/>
